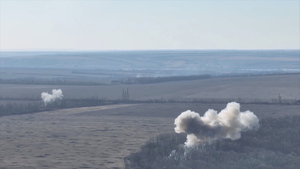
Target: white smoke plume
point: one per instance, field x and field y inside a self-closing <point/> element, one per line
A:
<point x="49" y="98"/>
<point x="228" y="124"/>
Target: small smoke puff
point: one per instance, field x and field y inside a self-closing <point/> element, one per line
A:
<point x="49" y="98"/>
<point x="228" y="124"/>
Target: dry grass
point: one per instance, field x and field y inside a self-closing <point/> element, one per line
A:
<point x="95" y="137"/>
<point x="61" y="139"/>
<point x="100" y="137"/>
<point x="251" y="88"/>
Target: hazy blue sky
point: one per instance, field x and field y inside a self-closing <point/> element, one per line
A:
<point x="131" y="25"/>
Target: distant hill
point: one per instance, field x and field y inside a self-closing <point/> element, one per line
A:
<point x="189" y="62"/>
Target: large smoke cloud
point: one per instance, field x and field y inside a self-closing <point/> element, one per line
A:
<point x="49" y="98"/>
<point x="228" y="124"/>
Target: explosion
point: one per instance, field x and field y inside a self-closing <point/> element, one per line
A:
<point x="228" y="124"/>
<point x="49" y="98"/>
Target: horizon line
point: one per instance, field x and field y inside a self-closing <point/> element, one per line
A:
<point x="136" y="50"/>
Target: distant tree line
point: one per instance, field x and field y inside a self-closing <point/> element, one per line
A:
<point x="40" y="81"/>
<point x="221" y="100"/>
<point x="36" y="105"/>
<point x="147" y="80"/>
<point x="275" y="145"/>
<point x="15" y="108"/>
<point x="124" y="99"/>
<point x="130" y="80"/>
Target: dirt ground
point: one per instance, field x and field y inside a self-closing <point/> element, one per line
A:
<point x="96" y="137"/>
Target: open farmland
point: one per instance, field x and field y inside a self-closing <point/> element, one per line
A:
<point x="264" y="88"/>
<point x="101" y="136"/>
<point x="102" y="84"/>
<point x="180" y="62"/>
<point x="96" y="137"/>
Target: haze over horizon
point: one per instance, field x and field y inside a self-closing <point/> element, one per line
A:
<point x="148" y="25"/>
